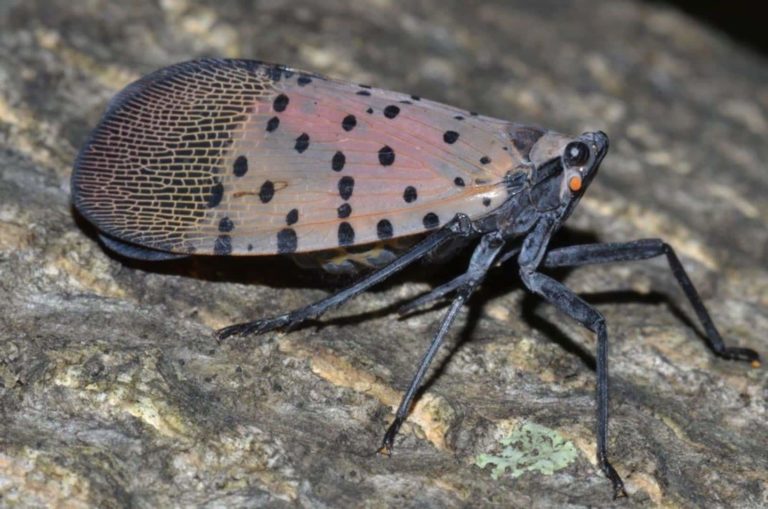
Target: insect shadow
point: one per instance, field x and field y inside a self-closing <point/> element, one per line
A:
<point x="281" y="273"/>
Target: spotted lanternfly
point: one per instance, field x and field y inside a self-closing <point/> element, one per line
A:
<point x="237" y="157"/>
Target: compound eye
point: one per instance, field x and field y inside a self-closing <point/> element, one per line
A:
<point x="576" y="154"/>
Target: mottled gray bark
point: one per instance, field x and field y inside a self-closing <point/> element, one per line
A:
<point x="114" y="392"/>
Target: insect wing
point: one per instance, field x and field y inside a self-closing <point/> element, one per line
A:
<point x="239" y="157"/>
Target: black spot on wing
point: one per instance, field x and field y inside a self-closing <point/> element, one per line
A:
<point x="410" y="194"/>
<point x="302" y="143"/>
<point x="431" y="220"/>
<point x="272" y="124"/>
<point x="267" y="191"/>
<point x="338" y="161"/>
<point x="384" y="229"/>
<point x="226" y="225"/>
<point x="217" y="193"/>
<point x="346" y="234"/>
<point x="274" y="72"/>
<point x="346" y="186"/>
<point x="240" y="167"/>
<point x="280" y="103"/>
<point x="292" y="217"/>
<point x="450" y="137"/>
<point x="223" y="245"/>
<point x="386" y="155"/>
<point x="286" y="241"/>
<point x="349" y="123"/>
<point x="391" y="111"/>
<point x="344" y="210"/>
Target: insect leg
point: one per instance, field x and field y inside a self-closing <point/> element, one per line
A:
<point x="482" y="259"/>
<point x="508" y="254"/>
<point x="568" y="302"/>
<point x="436" y="294"/>
<point x="589" y="254"/>
<point x="441" y="291"/>
<point x="459" y="226"/>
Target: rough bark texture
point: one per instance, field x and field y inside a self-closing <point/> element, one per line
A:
<point x="114" y="393"/>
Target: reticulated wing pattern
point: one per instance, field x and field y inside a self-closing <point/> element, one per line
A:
<point x="239" y="157"/>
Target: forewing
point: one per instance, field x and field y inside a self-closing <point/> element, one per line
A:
<point x="239" y="157"/>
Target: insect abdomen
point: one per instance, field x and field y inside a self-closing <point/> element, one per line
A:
<point x="356" y="259"/>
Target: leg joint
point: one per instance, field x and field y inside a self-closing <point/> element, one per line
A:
<point x="598" y="322"/>
<point x="526" y="275"/>
<point x="462" y="225"/>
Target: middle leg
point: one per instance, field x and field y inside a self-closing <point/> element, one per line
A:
<point x="482" y="259"/>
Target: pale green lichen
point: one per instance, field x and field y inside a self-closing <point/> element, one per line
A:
<point x="530" y="448"/>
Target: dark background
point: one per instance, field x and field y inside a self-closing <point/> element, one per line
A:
<point x="741" y="21"/>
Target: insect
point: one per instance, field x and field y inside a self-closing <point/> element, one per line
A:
<point x="239" y="157"/>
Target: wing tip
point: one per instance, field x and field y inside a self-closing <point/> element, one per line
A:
<point x="81" y="171"/>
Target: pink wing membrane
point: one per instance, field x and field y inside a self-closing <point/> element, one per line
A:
<point x="310" y="163"/>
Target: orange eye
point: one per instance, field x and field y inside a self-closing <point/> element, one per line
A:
<point x="574" y="183"/>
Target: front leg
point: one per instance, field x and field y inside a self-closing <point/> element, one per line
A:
<point x="571" y="304"/>
<point x="533" y="251"/>
<point x="590" y="254"/>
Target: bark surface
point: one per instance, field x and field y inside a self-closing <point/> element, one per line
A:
<point x="114" y="393"/>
